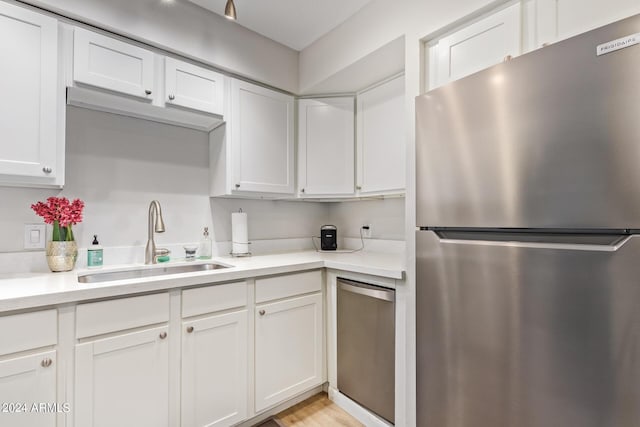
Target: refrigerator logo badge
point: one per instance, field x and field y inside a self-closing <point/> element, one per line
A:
<point x="618" y="44"/>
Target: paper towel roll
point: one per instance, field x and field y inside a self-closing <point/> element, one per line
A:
<point x="239" y="233"/>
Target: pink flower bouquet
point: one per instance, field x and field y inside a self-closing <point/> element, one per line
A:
<point x="62" y="214"/>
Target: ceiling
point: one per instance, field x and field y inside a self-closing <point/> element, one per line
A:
<point x="294" y="23"/>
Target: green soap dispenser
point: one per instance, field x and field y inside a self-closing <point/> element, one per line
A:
<point x="94" y="254"/>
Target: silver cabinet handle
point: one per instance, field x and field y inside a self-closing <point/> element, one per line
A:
<point x="46" y="362"/>
<point x="237" y="185"/>
<point x="262" y="312"/>
<point x="172" y="97"/>
<point x="302" y="190"/>
<point x="163" y="335"/>
<point x="189" y="329"/>
<point x="148" y="92"/>
<point x="47" y="169"/>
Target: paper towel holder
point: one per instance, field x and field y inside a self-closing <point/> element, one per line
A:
<point x="239" y="254"/>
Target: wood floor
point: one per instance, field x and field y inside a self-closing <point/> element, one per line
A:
<point x="317" y="411"/>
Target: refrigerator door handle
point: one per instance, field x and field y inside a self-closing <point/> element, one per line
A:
<point x="610" y="247"/>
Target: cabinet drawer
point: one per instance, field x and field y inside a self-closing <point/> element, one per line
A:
<point x="288" y="285"/>
<point x="27" y="331"/>
<point x="213" y="298"/>
<point x="102" y="317"/>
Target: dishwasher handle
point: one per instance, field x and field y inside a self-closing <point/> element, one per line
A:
<point x="367" y="290"/>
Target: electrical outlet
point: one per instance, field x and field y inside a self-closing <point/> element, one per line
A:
<point x="34" y="236"/>
<point x="367" y="229"/>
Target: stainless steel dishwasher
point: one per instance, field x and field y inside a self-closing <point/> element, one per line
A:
<point x="366" y="346"/>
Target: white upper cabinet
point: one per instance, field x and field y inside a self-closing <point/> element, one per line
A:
<point x="112" y="64"/>
<point x="326" y="147"/>
<point x="190" y="86"/>
<point x="253" y="155"/>
<point x="560" y="19"/>
<point x="262" y="139"/>
<point x="475" y="46"/>
<point x="32" y="115"/>
<point x="381" y="144"/>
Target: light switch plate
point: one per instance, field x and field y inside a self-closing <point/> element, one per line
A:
<point x="34" y="236"/>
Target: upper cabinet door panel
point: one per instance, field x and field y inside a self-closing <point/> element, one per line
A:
<point x="382" y="139"/>
<point x="194" y="87"/>
<point x="111" y="64"/>
<point x="326" y="146"/>
<point x="28" y="83"/>
<point x="477" y="46"/>
<point x="262" y="133"/>
<point x="561" y="19"/>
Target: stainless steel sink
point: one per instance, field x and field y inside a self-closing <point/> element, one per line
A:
<point x="147" y="272"/>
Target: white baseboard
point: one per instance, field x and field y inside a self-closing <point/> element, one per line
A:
<point x="356" y="411"/>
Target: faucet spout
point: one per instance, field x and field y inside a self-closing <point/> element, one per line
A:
<point x="155" y="224"/>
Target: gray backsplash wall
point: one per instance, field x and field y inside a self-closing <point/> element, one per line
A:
<point x="386" y="217"/>
<point x="117" y="165"/>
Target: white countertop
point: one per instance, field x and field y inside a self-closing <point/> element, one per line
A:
<point x="22" y="291"/>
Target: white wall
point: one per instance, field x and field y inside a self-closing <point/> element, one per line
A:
<point x="184" y="28"/>
<point x="375" y="25"/>
<point x="117" y="165"/>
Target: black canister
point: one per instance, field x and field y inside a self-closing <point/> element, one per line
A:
<point x="328" y="237"/>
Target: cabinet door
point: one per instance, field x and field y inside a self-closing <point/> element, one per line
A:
<point x="27" y="381"/>
<point x="326" y="146"/>
<point x="28" y="83"/>
<point x="111" y="64"/>
<point x="123" y="380"/>
<point x="194" y="87"/>
<point x="288" y="349"/>
<point x="381" y="139"/>
<point x="262" y="139"/>
<point x="476" y="46"/>
<point x="560" y="19"/>
<point x="214" y="370"/>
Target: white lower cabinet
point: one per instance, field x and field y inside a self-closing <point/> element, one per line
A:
<point x="27" y="384"/>
<point x="288" y="348"/>
<point x="123" y="380"/>
<point x="214" y="370"/>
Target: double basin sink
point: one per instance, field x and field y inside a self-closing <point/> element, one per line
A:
<point x="139" y="273"/>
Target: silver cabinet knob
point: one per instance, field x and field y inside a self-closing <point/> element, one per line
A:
<point x="46" y="362"/>
<point x="163" y="335"/>
<point x="190" y="329"/>
<point x="358" y="187"/>
<point x="237" y="185"/>
<point x="262" y="312"/>
<point x="302" y="190"/>
<point x="172" y="97"/>
<point x="47" y="169"/>
<point x="507" y="58"/>
<point x="148" y="92"/>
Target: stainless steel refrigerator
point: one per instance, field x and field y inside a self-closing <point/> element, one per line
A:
<point x="528" y="244"/>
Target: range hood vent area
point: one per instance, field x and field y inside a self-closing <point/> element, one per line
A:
<point x="117" y="104"/>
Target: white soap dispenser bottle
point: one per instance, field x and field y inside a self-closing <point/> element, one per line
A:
<point x="205" y="248"/>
